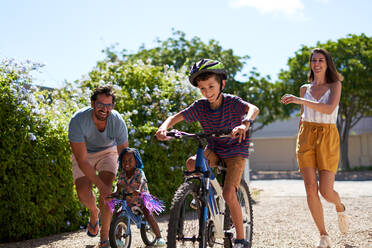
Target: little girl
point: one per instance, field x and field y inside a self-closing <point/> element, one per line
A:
<point x="132" y="179"/>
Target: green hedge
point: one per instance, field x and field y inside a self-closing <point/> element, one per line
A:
<point x="36" y="189"/>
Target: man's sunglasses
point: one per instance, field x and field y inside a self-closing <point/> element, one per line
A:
<point x="102" y="105"/>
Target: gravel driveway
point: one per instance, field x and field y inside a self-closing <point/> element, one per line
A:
<point x="281" y="219"/>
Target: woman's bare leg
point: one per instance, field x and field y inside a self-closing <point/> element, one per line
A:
<point x="326" y="184"/>
<point x="313" y="200"/>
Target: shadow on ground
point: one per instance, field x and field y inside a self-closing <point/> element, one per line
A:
<point x="33" y="243"/>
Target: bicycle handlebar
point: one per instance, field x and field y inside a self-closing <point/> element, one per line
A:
<point x="222" y="133"/>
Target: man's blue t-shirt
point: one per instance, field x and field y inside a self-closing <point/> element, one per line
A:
<point x="83" y="129"/>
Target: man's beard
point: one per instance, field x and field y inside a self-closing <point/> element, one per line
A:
<point x="96" y="113"/>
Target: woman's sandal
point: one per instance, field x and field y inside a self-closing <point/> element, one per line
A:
<point x="93" y="227"/>
<point x="104" y="244"/>
<point x="324" y="242"/>
<point x="343" y="221"/>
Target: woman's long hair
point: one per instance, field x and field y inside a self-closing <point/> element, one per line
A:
<point x="332" y="74"/>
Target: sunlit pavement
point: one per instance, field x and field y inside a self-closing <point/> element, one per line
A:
<point x="295" y="188"/>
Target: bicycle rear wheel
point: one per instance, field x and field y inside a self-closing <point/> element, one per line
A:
<point x="184" y="220"/>
<point x="148" y="235"/>
<point x="245" y="201"/>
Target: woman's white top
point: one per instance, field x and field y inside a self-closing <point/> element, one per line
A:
<point x="312" y="115"/>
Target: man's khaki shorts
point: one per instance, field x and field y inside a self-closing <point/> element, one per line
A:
<point x="318" y="146"/>
<point x="234" y="167"/>
<point x="106" y="160"/>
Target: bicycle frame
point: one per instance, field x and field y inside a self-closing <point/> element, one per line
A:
<point x="125" y="210"/>
<point x="210" y="194"/>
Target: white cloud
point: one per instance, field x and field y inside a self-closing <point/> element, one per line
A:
<point x="290" y="8"/>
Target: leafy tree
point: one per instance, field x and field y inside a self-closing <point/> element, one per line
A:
<point x="353" y="58"/>
<point x="177" y="52"/>
<point x="266" y="96"/>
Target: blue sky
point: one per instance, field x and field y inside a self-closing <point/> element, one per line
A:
<point x="68" y="36"/>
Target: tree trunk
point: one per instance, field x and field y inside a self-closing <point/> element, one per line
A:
<point x="343" y="126"/>
<point x="344" y="149"/>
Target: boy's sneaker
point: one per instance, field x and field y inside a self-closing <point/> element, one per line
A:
<point x="160" y="242"/>
<point x="119" y="243"/>
<point x="241" y="243"/>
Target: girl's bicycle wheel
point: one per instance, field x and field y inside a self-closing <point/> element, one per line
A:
<point x="245" y="201"/>
<point x="183" y="227"/>
<point x="147" y="234"/>
<point x="117" y="235"/>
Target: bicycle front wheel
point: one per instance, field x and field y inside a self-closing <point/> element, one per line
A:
<point x="185" y="212"/>
<point x="119" y="235"/>
<point x="245" y="201"/>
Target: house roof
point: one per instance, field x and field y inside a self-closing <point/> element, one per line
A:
<point x="289" y="128"/>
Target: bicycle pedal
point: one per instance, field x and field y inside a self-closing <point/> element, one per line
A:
<point x="229" y="235"/>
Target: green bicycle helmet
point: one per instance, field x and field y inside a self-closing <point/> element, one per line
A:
<point x="206" y="65"/>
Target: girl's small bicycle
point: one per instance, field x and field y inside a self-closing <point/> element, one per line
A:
<point x="120" y="234"/>
<point x="198" y="214"/>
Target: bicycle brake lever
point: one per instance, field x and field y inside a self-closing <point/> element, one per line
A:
<point x="174" y="133"/>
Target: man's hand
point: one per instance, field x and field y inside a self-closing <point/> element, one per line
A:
<point x="240" y="131"/>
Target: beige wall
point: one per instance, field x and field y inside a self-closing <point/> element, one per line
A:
<point x="280" y="154"/>
<point x="360" y="150"/>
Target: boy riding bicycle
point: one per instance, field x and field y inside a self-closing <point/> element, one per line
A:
<point x="218" y="111"/>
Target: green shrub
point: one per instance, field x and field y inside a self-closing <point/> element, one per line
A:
<point x="36" y="189"/>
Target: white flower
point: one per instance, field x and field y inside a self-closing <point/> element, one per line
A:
<point x="36" y="111"/>
<point x="32" y="137"/>
<point x="24" y="91"/>
<point x="148" y="97"/>
<point x="134" y="93"/>
<point x="164" y="145"/>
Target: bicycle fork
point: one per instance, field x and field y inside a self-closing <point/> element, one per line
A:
<point x="216" y="208"/>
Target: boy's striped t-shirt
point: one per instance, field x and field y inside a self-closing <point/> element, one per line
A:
<point x="227" y="116"/>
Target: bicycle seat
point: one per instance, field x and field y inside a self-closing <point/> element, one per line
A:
<point x="136" y="210"/>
